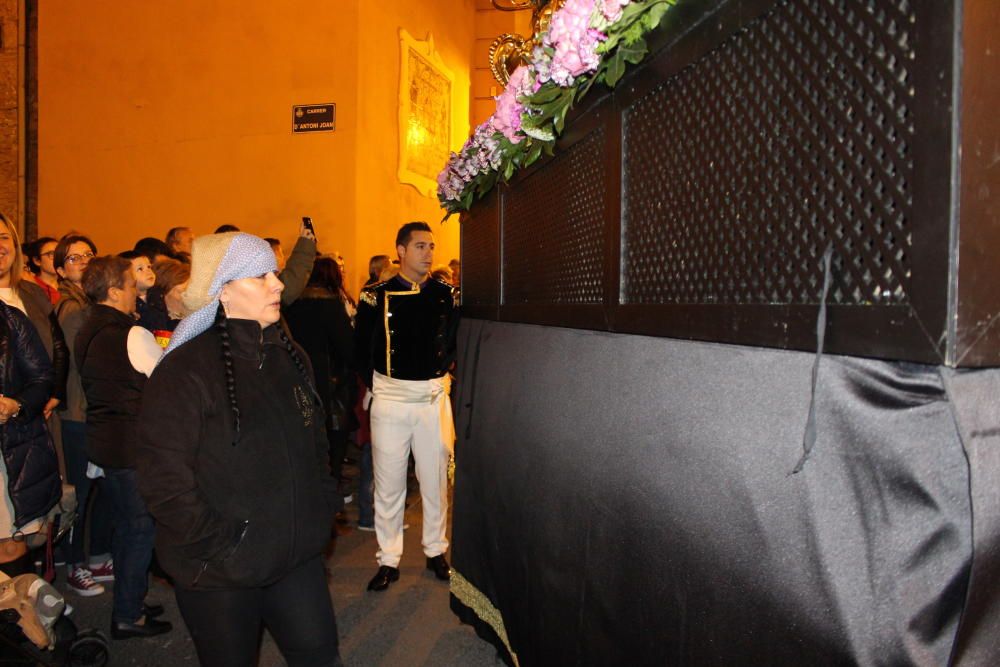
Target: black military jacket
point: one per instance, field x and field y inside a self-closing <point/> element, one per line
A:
<point x="405" y="331"/>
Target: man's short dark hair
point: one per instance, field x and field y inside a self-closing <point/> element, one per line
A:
<point x="62" y="248"/>
<point x="173" y="233"/>
<point x="222" y="229"/>
<point x="406" y="231"/>
<point x="102" y="274"/>
<point x="274" y="243"/>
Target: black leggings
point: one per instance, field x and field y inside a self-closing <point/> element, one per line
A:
<point x="226" y="625"/>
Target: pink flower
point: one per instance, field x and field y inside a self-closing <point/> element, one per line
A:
<point x="612" y="9"/>
<point x="574" y="41"/>
<point x="519" y="80"/>
<point x="507" y="118"/>
<point x="570" y="23"/>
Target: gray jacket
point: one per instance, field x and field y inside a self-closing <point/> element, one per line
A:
<point x="70" y="312"/>
<point x="297" y="270"/>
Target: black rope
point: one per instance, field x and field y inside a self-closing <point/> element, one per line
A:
<point x="809" y="438"/>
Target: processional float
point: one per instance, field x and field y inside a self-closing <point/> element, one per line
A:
<point x="728" y="369"/>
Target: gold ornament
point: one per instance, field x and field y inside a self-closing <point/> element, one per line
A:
<point x="509" y="51"/>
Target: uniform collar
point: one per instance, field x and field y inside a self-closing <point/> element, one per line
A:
<point x="408" y="284"/>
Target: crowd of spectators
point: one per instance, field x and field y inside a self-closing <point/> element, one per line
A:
<point x="64" y="311"/>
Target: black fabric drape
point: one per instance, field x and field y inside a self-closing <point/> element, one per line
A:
<point x="626" y="500"/>
<point x="975" y="398"/>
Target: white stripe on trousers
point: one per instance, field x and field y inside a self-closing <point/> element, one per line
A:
<point x="411" y="415"/>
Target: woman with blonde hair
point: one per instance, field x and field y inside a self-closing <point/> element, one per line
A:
<point x="31" y="300"/>
<point x="29" y="341"/>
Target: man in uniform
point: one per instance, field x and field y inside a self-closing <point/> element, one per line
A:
<point x="405" y="345"/>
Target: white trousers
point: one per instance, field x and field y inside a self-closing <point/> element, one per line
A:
<point x="408" y="415"/>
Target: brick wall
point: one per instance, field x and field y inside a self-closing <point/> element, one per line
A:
<point x="30" y="215"/>
<point x="9" y="85"/>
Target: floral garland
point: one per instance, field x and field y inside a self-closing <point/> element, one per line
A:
<point x="588" y="41"/>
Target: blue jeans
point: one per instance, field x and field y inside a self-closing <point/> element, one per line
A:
<point x="74" y="442"/>
<point x="366" y="488"/>
<point x="132" y="545"/>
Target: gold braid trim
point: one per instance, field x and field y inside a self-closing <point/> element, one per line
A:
<point x="474" y="599"/>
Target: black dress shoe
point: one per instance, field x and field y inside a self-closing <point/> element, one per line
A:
<point x="439" y="566"/>
<point x="150" y="628"/>
<point x="385" y="576"/>
<point x="152" y="610"/>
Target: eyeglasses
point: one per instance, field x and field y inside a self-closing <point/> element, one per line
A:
<point x="76" y="259"/>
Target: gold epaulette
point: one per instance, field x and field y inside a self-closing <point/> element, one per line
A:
<point x="456" y="296"/>
<point x="368" y="296"/>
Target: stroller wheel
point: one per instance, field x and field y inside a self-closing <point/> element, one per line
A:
<point x="89" y="649"/>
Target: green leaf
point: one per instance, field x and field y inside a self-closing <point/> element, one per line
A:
<point x="553" y="107"/>
<point x="585" y="88"/>
<point x="560" y="121"/>
<point x="629" y="27"/>
<point x="655" y="14"/>
<point x="538" y="128"/>
<point x="633" y="53"/>
<point x="508" y="171"/>
<point x="548" y="92"/>
<point x="616" y="68"/>
<point x="532" y="156"/>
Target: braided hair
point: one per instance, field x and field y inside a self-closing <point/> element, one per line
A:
<point x="293" y="352"/>
<point x="221" y="325"/>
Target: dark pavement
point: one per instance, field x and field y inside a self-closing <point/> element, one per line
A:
<point x="410" y="624"/>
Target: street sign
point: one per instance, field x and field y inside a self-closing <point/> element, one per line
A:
<point x="314" y="118"/>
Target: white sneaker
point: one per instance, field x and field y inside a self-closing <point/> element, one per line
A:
<point x="82" y="583"/>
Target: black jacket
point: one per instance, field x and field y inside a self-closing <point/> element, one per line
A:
<point x="405" y="333"/>
<point x="113" y="387"/>
<point x="26" y="376"/>
<point x="42" y="315"/>
<point x="153" y="311"/>
<point x="234" y="512"/>
<point x="319" y="323"/>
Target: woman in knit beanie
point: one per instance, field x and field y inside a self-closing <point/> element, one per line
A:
<point x="233" y="466"/>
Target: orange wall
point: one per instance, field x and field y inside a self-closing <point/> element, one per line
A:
<point x="384" y="203"/>
<point x="156" y="114"/>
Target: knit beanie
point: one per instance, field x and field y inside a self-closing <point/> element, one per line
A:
<point x="217" y="259"/>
